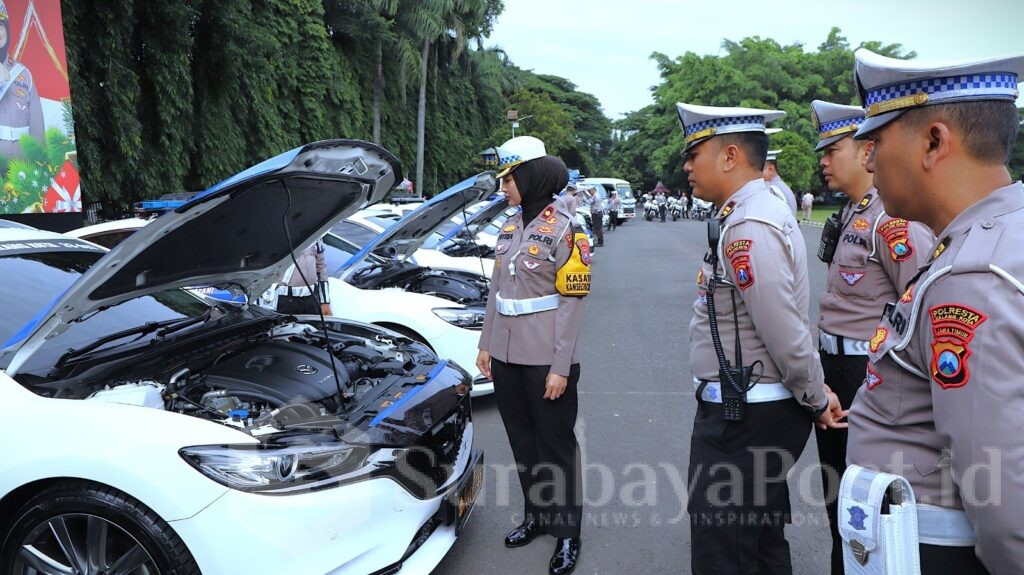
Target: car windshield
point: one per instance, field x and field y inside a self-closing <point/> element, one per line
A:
<point x="625" y="192"/>
<point x="354" y="233"/>
<point x="338" y="252"/>
<point x="494" y="227"/>
<point x="34" y="280"/>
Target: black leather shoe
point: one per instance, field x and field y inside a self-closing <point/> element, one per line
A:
<point x="567" y="552"/>
<point x="523" y="534"/>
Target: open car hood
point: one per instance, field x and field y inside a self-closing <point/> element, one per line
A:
<point x="236" y="236"/>
<point x="405" y="236"/>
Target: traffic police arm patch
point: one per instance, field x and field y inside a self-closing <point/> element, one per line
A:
<point x="573" y="277"/>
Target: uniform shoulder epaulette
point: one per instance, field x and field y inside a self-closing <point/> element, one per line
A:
<point x="864" y="203"/>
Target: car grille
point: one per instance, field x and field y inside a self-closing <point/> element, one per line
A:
<point x="629" y="211"/>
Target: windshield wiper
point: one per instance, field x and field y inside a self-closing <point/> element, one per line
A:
<point x="371" y="267"/>
<point x="166" y="326"/>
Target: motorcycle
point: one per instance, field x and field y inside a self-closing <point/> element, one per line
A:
<point x="675" y="209"/>
<point x="651" y="210"/>
<point x="701" y="209"/>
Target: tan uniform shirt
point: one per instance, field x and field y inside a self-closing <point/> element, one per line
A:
<point x="763" y="257"/>
<point x="313" y="267"/>
<point x="20" y="111"/>
<point x="875" y="259"/>
<point x="943" y="400"/>
<point x="526" y="259"/>
<point x="787" y="193"/>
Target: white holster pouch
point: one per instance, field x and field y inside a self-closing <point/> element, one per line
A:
<point x="878" y="524"/>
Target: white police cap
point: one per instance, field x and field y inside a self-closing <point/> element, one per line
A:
<point x="834" y="121"/>
<point x="773" y="155"/>
<point x="517" y="151"/>
<point x="888" y="86"/>
<point x="702" y="122"/>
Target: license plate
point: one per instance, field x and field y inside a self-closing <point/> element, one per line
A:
<point x="463" y="500"/>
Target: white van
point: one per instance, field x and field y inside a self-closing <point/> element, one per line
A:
<point x="625" y="192"/>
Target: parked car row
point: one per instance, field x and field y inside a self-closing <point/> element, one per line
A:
<point x="161" y="430"/>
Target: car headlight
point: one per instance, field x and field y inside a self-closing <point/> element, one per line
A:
<point x="275" y="470"/>
<point x="461" y="317"/>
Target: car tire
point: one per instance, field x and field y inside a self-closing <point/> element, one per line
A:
<point x="102" y="524"/>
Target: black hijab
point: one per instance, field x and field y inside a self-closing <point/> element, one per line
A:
<point x="538" y="181"/>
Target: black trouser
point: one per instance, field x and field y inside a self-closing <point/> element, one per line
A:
<point x="597" y="225"/>
<point x="844" y="374"/>
<point x="936" y="560"/>
<point x="613" y="219"/>
<point x="661" y="210"/>
<point x="742" y="532"/>
<point x="295" y="305"/>
<point x="543" y="442"/>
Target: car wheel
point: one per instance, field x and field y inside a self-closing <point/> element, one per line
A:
<point x="82" y="527"/>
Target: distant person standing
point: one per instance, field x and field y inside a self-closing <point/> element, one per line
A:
<point x="779" y="187"/>
<point x="807" y="203"/>
<point x="613" y="210"/>
<point x="593" y="200"/>
<point x="662" y="202"/>
<point x="304" y="289"/>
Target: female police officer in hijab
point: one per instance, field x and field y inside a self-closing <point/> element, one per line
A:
<point x="528" y="344"/>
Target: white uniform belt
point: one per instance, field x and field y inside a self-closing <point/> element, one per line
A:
<point x="944" y="526"/>
<point x="300" y="291"/>
<point x="12" y="133"/>
<point x="839" y="345"/>
<point x="760" y="393"/>
<point x="514" y="307"/>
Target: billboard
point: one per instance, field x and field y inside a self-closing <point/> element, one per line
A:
<point x="38" y="163"/>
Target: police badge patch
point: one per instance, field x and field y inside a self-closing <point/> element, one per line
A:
<point x="860" y="224"/>
<point x="878" y="339"/>
<point x="896" y="233"/>
<point x="744" y="275"/>
<point x="738" y="246"/>
<point x="871" y="378"/>
<point x="952" y="329"/>
<point x="851" y="278"/>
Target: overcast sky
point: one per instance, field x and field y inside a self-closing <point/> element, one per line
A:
<point x="603" y="46"/>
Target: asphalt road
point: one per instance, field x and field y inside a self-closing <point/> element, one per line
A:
<point x="636" y="414"/>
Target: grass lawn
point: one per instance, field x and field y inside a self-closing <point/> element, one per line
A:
<point x="819" y="213"/>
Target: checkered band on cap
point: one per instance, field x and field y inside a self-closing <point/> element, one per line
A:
<point x="735" y="124"/>
<point x="504" y="161"/>
<point x="829" y="129"/>
<point x="917" y="93"/>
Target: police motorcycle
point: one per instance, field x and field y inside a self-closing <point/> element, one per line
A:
<point x="675" y="208"/>
<point x="651" y="210"/>
<point x="701" y="209"/>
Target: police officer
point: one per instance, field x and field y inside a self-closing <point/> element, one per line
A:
<point x="305" y="289"/>
<point x="20" y="110"/>
<point x="614" y="204"/>
<point x="528" y="344"/>
<point x="942" y="400"/>
<point x="756" y="404"/>
<point x="596" y="204"/>
<point x="871" y="258"/>
<point x="775" y="182"/>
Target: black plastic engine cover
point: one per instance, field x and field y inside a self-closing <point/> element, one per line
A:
<point x="284" y="371"/>
<point x="450" y="286"/>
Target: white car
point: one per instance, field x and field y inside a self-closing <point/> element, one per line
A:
<point x="442" y="308"/>
<point x="374" y="223"/>
<point x="159" y="433"/>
